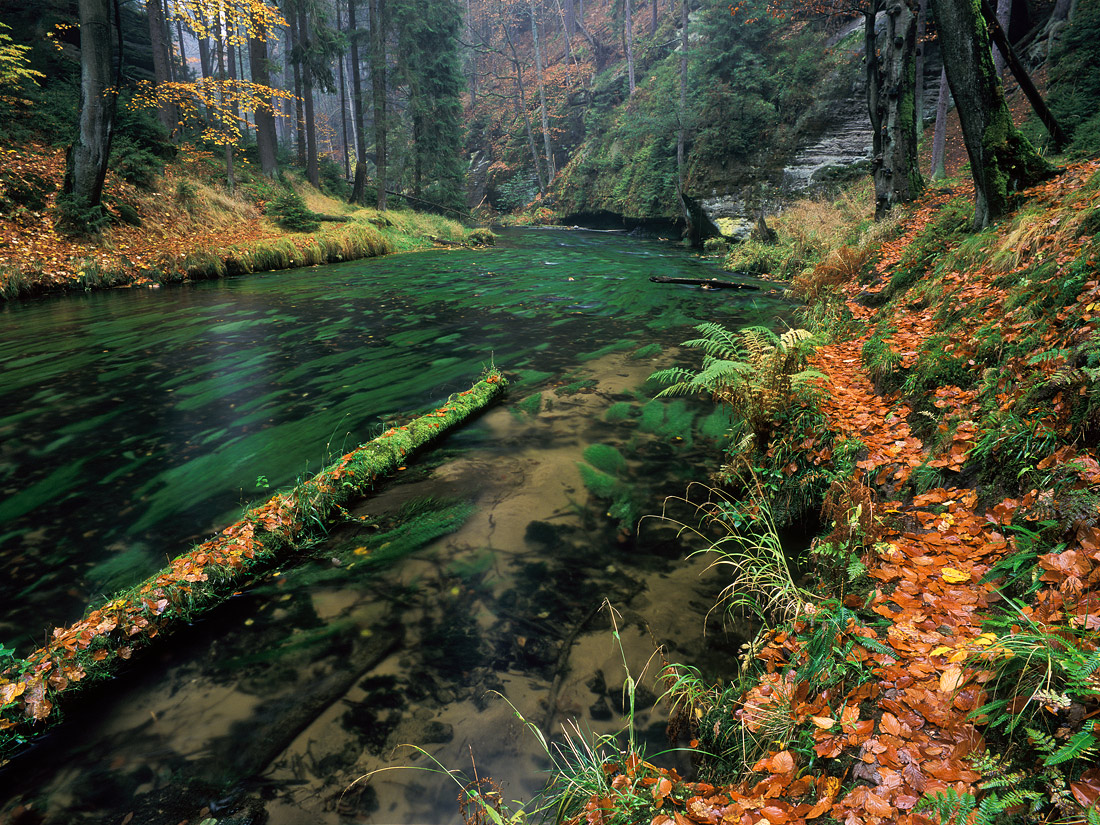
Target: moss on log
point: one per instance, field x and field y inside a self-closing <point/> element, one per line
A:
<point x="32" y="689"/>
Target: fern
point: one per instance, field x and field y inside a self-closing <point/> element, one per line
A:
<point x="754" y="371"/>
<point x="948" y="807"/>
<point x="1083" y="743"/>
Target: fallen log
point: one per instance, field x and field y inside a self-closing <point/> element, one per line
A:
<point x="706" y="283"/>
<point x="32" y="689"/>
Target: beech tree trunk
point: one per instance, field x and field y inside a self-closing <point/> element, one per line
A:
<point x="542" y="98"/>
<point x="266" y="140"/>
<point x="378" y="86"/>
<point x="88" y="156"/>
<point x="653" y="20"/>
<point x="167" y="113"/>
<point x="939" y="136"/>
<point x="895" y="166"/>
<point x="570" y="18"/>
<point x="1001" y="159"/>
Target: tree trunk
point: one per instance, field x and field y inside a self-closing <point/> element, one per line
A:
<point x="231" y="67"/>
<point x="293" y="42"/>
<point x="542" y="98"/>
<point x="356" y="88"/>
<point x="523" y="109"/>
<point x="378" y="86"/>
<point x="1004" y="49"/>
<point x="570" y="18"/>
<point x="628" y="33"/>
<point x="471" y="64"/>
<point x="241" y="74"/>
<point x="204" y="57"/>
<point x="874" y="90"/>
<point x="939" y="136"/>
<point x="1001" y="160"/>
<point x="167" y="113"/>
<point x="343" y="105"/>
<point x="895" y="167"/>
<point x="87" y="161"/>
<point x="918" y="101"/>
<point x="313" y="172"/>
<point x="418" y="159"/>
<point x="230" y="180"/>
<point x="681" y="133"/>
<point x="266" y="141"/>
<point x="1004" y="17"/>
<point x="653" y="20"/>
<point x="185" y="72"/>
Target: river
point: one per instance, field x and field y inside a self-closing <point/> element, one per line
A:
<point x="135" y="422"/>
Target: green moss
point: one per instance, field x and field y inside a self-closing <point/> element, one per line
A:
<point x="605" y="457"/>
<point x="670" y="420"/>
<point x="649" y="350"/>
<point x="529" y="405"/>
<point x="601" y="485"/>
<point x="602" y="351"/>
<point x="620" y="411"/>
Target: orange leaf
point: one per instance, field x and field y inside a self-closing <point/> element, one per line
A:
<point x="951" y="678"/>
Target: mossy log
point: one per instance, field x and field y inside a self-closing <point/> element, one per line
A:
<point x="32" y="689"/>
<point x="706" y="283"/>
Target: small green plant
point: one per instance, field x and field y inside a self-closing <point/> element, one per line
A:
<point x="762" y="578"/>
<point x="290" y="212"/>
<point x="79" y="220"/>
<point x="832" y="648"/>
<point x="1044" y="684"/>
<point x="187" y="195"/>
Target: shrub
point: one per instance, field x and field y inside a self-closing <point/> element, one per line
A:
<point x="291" y="213"/>
<point x="77" y="220"/>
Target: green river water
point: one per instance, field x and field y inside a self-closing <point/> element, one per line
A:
<point x="133" y="423"/>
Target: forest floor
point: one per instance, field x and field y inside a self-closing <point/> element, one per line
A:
<point x="946" y="659"/>
<point x="172" y="231"/>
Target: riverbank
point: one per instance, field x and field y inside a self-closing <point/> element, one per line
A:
<point x="932" y="652"/>
<point x="186" y="227"/>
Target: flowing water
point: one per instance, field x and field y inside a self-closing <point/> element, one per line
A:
<point x="133" y="423"/>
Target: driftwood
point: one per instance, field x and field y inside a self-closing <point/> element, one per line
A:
<point x="444" y="242"/>
<point x="706" y="283"/>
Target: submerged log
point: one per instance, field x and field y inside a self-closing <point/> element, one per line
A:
<point x="32" y="689"/>
<point x="706" y="283"/>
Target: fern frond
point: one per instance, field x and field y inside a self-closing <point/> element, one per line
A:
<point x="672" y="375"/>
<point x="1081" y="743"/>
<point x="792" y="337"/>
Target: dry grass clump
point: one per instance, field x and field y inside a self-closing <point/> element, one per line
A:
<point x="839" y="267"/>
<point x="808" y="231"/>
